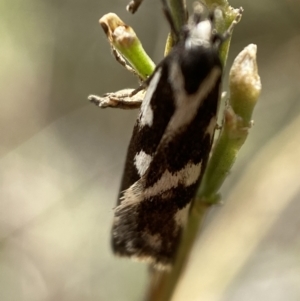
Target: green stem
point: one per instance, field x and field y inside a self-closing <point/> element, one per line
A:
<point x="245" y="87"/>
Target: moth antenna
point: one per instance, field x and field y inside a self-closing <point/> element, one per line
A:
<point x="167" y="12"/>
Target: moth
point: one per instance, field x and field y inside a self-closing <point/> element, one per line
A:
<point x="170" y="144"/>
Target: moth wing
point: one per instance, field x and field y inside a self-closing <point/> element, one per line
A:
<point x="154" y="208"/>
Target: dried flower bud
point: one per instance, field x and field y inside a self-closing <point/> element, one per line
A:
<point x="244" y="83"/>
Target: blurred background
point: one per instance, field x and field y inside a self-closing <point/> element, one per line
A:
<point x="62" y="159"/>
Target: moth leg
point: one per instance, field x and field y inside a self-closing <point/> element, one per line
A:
<point x="229" y="31"/>
<point x="120" y="59"/>
<point x="220" y="38"/>
<point x="133" y="5"/>
<point x="124" y="99"/>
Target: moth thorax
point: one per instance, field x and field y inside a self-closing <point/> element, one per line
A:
<point x="199" y="35"/>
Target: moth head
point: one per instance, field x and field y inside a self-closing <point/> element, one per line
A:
<point x="200" y="29"/>
<point x="199" y="34"/>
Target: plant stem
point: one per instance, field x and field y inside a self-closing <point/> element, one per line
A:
<point x="163" y="283"/>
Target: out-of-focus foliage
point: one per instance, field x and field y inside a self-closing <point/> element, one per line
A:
<point x="61" y="159"/>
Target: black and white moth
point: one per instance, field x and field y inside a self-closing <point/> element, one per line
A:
<point x="170" y="145"/>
